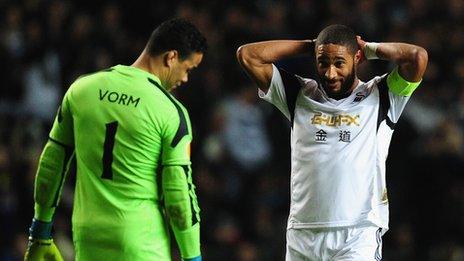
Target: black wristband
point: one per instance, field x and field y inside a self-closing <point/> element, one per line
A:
<point x="40" y="229"/>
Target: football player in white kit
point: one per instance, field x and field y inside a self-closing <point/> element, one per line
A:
<point x="341" y="131"/>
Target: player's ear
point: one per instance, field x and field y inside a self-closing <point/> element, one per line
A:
<point x="170" y="57"/>
<point x="357" y="56"/>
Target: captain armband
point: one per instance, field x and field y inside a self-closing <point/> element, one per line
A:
<point x="399" y="86"/>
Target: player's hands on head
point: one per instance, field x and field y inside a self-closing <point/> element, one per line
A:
<point x="41" y="246"/>
<point x="361" y="42"/>
<point x="361" y="45"/>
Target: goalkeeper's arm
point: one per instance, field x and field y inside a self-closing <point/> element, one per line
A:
<point x="182" y="209"/>
<point x="53" y="166"/>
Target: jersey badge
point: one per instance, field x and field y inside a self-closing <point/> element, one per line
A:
<point x="359" y="97"/>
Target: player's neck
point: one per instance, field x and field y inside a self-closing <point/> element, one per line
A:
<point x="149" y="64"/>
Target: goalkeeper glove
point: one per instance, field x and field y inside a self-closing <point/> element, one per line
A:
<point x="198" y="258"/>
<point x="41" y="246"/>
<point x="42" y="250"/>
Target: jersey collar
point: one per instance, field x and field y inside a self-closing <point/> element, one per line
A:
<point x="138" y="71"/>
<point x="346" y="99"/>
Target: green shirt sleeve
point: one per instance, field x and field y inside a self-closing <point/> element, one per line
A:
<point x="399" y="86"/>
<point x="182" y="209"/>
<point x="177" y="138"/>
<point x="62" y="130"/>
<point x="179" y="191"/>
<point x="53" y="164"/>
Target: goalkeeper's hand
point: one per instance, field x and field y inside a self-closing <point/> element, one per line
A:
<point x="198" y="258"/>
<point x="42" y="250"/>
<point x="41" y="246"/>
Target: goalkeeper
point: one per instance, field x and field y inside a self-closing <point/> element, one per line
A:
<point x="131" y="141"/>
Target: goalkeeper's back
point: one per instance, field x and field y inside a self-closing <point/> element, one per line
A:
<point x="121" y="118"/>
<point x="124" y="113"/>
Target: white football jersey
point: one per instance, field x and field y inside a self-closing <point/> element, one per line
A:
<point x="338" y="150"/>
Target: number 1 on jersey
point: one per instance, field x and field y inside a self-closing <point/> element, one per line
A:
<point x="108" y="150"/>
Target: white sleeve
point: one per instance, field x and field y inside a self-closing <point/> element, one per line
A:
<point x="391" y="104"/>
<point x="397" y="104"/>
<point x="283" y="91"/>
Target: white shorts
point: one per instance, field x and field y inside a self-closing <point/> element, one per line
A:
<point x="344" y="243"/>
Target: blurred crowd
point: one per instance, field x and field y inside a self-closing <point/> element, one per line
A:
<point x="241" y="145"/>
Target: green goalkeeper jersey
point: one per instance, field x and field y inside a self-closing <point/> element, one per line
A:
<point x="123" y="126"/>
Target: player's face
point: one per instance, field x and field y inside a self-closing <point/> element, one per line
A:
<point x="181" y="68"/>
<point x="336" y="67"/>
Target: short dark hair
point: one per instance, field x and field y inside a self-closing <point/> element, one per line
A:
<point x="340" y="35"/>
<point x="176" y="34"/>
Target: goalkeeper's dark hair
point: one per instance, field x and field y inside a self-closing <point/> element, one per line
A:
<point x="176" y="34"/>
<point x="340" y="35"/>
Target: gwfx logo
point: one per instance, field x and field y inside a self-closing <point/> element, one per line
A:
<point x="335" y="120"/>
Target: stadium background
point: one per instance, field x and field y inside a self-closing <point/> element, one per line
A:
<point x="241" y="145"/>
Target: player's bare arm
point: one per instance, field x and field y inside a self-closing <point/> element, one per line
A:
<point x="411" y="59"/>
<point x="257" y="58"/>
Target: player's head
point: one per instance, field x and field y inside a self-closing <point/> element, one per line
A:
<point x="180" y="46"/>
<point x="337" y="56"/>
